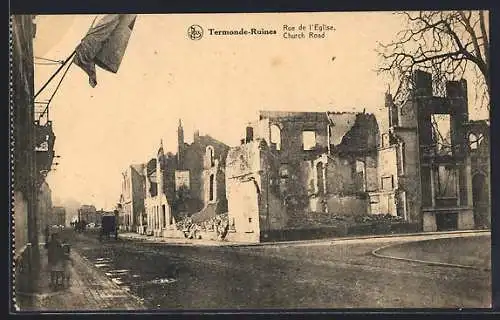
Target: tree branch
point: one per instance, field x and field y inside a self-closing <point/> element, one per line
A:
<point x="439" y="42"/>
<point x="484" y="36"/>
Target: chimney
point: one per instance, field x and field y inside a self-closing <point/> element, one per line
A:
<point x="392" y="109"/>
<point x="423" y="83"/>
<point x="249" y="134"/>
<point x="196" y="135"/>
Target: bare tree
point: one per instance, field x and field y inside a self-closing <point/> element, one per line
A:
<point x="444" y="43"/>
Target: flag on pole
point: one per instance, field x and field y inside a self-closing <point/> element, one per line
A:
<point x="105" y="45"/>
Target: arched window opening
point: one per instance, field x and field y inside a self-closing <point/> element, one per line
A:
<point x="276" y="137"/>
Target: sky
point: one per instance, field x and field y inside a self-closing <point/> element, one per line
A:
<point x="216" y="84"/>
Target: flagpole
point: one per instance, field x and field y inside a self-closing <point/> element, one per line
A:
<point x="62" y="66"/>
<point x="55" y="74"/>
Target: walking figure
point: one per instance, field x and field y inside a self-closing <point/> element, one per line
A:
<point x="58" y="259"/>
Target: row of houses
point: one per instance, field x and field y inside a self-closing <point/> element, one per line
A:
<point x="90" y="215"/>
<point x="430" y="168"/>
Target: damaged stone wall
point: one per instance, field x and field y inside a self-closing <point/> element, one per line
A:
<point x="272" y="205"/>
<point x="137" y="189"/>
<point x="243" y="181"/>
<point x="427" y="149"/>
<point x="293" y="181"/>
<point x="294" y="178"/>
<point x="347" y="205"/>
<point x="479" y="144"/>
<point x="409" y="181"/>
<point x="197" y="162"/>
<point x="388" y="168"/>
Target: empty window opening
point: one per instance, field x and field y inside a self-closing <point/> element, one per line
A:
<point x="441" y="133"/>
<point x="447" y="221"/>
<point x="446" y="182"/>
<point x="276" y="137"/>
<point x="164" y="213"/>
<point x="211" y="188"/>
<point x="475" y="140"/>
<point x="210" y="156"/>
<point x="320" y="178"/>
<point x="401" y="159"/>
<point x="388" y="183"/>
<point x="249" y="134"/>
<point x="309" y="140"/>
<point x="360" y="175"/>
<point x="330" y="138"/>
<point x="385" y="140"/>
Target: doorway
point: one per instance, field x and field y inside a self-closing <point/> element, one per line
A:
<point x="447" y="221"/>
<point x="480" y="200"/>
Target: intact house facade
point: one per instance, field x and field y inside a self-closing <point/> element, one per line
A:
<point x="131" y="204"/>
<point x="190" y="183"/>
<point x="293" y="166"/>
<point x="57" y="216"/>
<point x="430" y="158"/>
<point x="88" y="213"/>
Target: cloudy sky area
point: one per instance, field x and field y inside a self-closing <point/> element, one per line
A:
<point x="216" y="85"/>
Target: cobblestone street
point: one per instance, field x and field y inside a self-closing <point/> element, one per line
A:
<point x="341" y="274"/>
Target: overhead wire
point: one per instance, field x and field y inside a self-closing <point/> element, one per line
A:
<point x="49" y="60"/>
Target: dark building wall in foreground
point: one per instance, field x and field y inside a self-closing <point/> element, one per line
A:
<point x="22" y="113"/>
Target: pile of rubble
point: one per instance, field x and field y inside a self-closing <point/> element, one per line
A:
<point x="306" y="220"/>
<point x="192" y="230"/>
<point x="377" y="218"/>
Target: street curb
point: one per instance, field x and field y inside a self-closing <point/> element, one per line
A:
<point x="298" y="242"/>
<point x="359" y="238"/>
<point x="435" y="263"/>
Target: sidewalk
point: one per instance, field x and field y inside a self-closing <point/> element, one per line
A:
<point x="203" y="242"/>
<point x="88" y="291"/>
<point x="176" y="241"/>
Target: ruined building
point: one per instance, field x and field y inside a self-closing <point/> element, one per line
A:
<point x="431" y="183"/>
<point x="292" y="166"/>
<point x="189" y="183"/>
<point x="158" y="207"/>
<point x="132" y="197"/>
<point x="479" y="145"/>
<point x="200" y="175"/>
